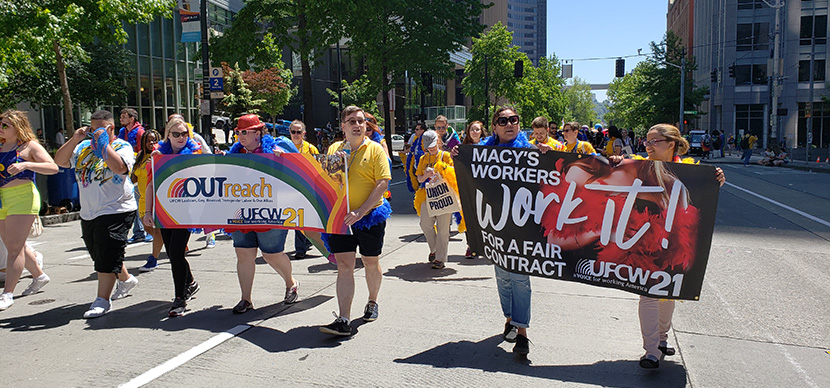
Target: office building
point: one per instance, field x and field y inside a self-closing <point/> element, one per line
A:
<point x="527" y="19"/>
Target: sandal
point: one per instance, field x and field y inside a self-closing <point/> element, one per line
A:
<point x="437" y="264"/>
<point x="649" y="363"/>
<point x="669" y="351"/>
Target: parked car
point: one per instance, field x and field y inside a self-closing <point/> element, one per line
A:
<point x="218" y="121"/>
<point x="397" y="143"/>
<point x="279" y="128"/>
<point x="696" y="139"/>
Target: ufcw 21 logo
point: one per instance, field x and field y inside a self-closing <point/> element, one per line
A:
<point x="216" y="186"/>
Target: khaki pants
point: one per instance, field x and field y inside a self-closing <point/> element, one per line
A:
<point x="655" y="322"/>
<point x="438" y="242"/>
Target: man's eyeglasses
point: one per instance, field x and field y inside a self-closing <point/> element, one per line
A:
<point x="177" y="135"/>
<point x="437" y="128"/>
<point x="296" y="132"/>
<point x="568" y="130"/>
<point x="355" y="122"/>
<point x="245" y="132"/>
<point x="652" y="142"/>
<point x="502" y="121"/>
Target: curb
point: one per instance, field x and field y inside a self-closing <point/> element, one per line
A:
<point x="60" y="218"/>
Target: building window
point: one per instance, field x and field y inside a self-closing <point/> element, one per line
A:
<point x="821" y="124"/>
<point x="749" y="118"/>
<point x="750" y="4"/>
<point x="750" y="74"/>
<point x="510" y="24"/>
<point x="752" y="36"/>
<point x="530" y="18"/>
<point x="530" y="35"/>
<point x="817" y="26"/>
<point x="530" y="43"/>
<point x="804" y="70"/>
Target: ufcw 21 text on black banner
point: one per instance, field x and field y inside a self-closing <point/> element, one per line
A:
<point x="640" y="226"/>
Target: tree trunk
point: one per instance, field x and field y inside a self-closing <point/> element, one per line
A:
<point x="305" y="53"/>
<point x="68" y="122"/>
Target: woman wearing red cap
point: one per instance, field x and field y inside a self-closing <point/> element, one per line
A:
<point x="271" y="241"/>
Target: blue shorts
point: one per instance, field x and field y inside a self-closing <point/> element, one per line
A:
<point x="272" y="241"/>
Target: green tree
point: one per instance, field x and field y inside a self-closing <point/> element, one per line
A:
<point x="496" y="49"/>
<point x="269" y="79"/>
<point x="49" y="33"/>
<point x="418" y="36"/>
<point x="539" y="92"/>
<point x="580" y="102"/>
<point x="650" y="93"/>
<point x="239" y="99"/>
<point x="309" y="27"/>
<point x="359" y="92"/>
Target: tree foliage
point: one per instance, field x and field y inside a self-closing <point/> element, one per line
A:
<point x="650" y="94"/>
<point x="580" y="102"/>
<point x="359" y="92"/>
<point x="51" y="33"/>
<point x="239" y="99"/>
<point x="537" y="93"/>
<point x="268" y="79"/>
<point x="262" y="26"/>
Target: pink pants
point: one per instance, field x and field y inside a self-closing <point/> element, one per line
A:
<point x="655" y="322"/>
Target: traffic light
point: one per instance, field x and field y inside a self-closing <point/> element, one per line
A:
<point x="732" y="70"/>
<point x="620" y="68"/>
<point x="518" y="68"/>
<point x="426" y="79"/>
<point x="714" y="75"/>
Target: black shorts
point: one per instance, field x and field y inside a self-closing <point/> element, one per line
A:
<point x="370" y="241"/>
<point x="105" y="238"/>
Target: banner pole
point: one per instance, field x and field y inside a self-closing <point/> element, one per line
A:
<point x="153" y="168"/>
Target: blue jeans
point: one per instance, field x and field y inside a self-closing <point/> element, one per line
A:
<point x="747" y="154"/>
<point x="272" y="241"/>
<point x="514" y="293"/>
<point x="138" y="226"/>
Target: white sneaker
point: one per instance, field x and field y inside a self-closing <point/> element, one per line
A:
<point x="37" y="284"/>
<point x="99" y="307"/>
<point x="122" y="289"/>
<point x="6" y="300"/>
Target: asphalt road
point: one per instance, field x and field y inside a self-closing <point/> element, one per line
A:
<point x="762" y="320"/>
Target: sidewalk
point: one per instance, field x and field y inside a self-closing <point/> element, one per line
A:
<point x="735" y="158"/>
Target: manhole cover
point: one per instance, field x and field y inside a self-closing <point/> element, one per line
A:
<point x="42" y="301"/>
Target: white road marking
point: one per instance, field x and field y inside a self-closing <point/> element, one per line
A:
<point x="397" y="183"/>
<point x="84" y="256"/>
<point x="182" y="358"/>
<point x="774" y="202"/>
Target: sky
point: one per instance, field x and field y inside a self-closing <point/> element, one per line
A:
<point x="580" y="29"/>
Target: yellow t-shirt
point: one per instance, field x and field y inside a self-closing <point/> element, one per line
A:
<point x="555" y="144"/>
<point x="367" y="165"/>
<point x="142" y="174"/>
<point x="307" y="148"/>
<point x="428" y="160"/>
<point x="584" y="147"/>
<point x="609" y="147"/>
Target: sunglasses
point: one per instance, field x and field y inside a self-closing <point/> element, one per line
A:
<point x="245" y="132"/>
<point x="652" y="142"/>
<point x="296" y="132"/>
<point x="177" y="135"/>
<point x="568" y="130"/>
<point x="503" y="121"/>
<point x="355" y="122"/>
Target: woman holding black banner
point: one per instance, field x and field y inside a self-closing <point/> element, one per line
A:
<point x="271" y="241"/>
<point x="436" y="228"/>
<point x="177" y="141"/>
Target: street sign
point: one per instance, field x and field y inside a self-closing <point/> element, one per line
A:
<point x="217" y="80"/>
<point x="689" y="112"/>
<point x="217" y="95"/>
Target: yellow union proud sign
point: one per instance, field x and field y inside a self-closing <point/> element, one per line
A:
<point x="245" y="191"/>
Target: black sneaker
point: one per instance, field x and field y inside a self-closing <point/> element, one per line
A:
<point x="191" y="290"/>
<point x="370" y="313"/>
<point x="299" y="255"/>
<point x="340" y="326"/>
<point x="177" y="310"/>
<point x="522" y="345"/>
<point x="242" y="307"/>
<point x="510" y="332"/>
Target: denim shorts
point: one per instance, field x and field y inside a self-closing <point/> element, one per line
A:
<point x="272" y="241"/>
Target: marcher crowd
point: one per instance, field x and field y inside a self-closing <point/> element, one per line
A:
<point x="112" y="168"/>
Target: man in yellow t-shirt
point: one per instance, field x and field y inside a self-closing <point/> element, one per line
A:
<point x="572" y="143"/>
<point x="540" y="134"/>
<point x="368" y="177"/>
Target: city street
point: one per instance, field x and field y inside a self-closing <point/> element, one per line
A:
<point x="762" y="320"/>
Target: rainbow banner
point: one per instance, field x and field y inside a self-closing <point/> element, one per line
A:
<point x="244" y="191"/>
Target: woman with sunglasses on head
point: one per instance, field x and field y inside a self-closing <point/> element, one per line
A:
<point x="570" y="132"/>
<point x="21" y="156"/>
<point x="271" y="241"/>
<point x="177" y="141"/>
<point x="139" y="175"/>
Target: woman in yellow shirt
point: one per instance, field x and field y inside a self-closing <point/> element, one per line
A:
<point x="139" y="176"/>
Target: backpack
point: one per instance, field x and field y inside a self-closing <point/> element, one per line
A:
<point x="745" y="143"/>
<point x="707" y="141"/>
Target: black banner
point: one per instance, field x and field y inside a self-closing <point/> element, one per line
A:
<point x="640" y="226"/>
